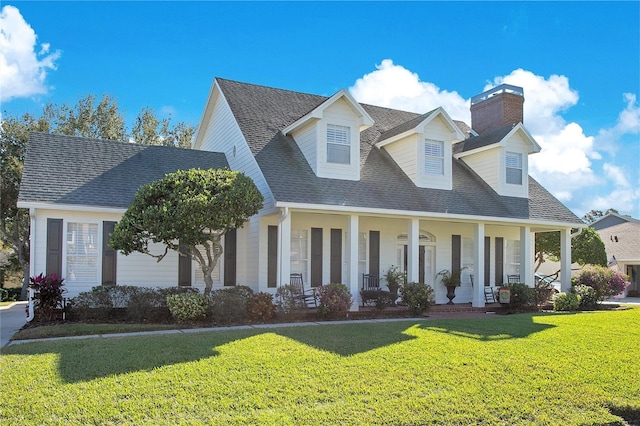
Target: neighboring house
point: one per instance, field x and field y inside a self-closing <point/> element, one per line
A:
<point x="349" y="189"/>
<point x="621" y="238"/>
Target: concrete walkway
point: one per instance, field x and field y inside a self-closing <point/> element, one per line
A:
<point x="16" y="318"/>
<point x="12" y="318"/>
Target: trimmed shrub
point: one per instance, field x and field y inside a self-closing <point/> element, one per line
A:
<point x="418" y="297"/>
<point x="188" y="307"/>
<point x="566" y="302"/>
<point x="229" y="305"/>
<point x="10" y="294"/>
<point x="260" y="307"/>
<point x="587" y="296"/>
<point x="522" y="296"/>
<point x="380" y="299"/>
<point x="605" y="282"/>
<point x="48" y="294"/>
<point x="286" y="301"/>
<point x="335" y="300"/>
<point x="91" y="305"/>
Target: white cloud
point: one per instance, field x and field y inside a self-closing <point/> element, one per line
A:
<point x="394" y="86"/>
<point x="23" y="69"/>
<point x="616" y="174"/>
<point x="628" y="123"/>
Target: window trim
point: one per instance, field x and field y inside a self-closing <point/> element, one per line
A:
<point x="333" y="142"/>
<point x="519" y="166"/>
<point x="433" y="158"/>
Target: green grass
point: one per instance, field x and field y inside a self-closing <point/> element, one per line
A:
<point x="569" y="369"/>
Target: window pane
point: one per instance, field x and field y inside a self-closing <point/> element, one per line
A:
<point x="82" y="252"/>
<point x="514" y="176"/>
<point x="434" y="157"/>
<point x="340" y="154"/>
<point x="338" y="134"/>
<point x="299" y="255"/>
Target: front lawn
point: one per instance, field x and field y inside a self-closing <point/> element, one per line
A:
<point x="570" y="369"/>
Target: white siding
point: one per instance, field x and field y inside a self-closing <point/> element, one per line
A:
<point x="404" y="153"/>
<point x="487" y="165"/>
<point x="339" y="113"/>
<point x="223" y="135"/>
<point x="307" y="140"/>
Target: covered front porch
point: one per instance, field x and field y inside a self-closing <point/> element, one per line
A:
<point x="341" y="246"/>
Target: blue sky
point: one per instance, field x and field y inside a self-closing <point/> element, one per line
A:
<point x="578" y="62"/>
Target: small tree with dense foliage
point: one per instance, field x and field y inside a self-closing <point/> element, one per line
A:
<point x="418" y="297"/>
<point x="605" y="281"/>
<point x="189" y="212"/>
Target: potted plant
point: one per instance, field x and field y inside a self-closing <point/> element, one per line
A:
<point x="394" y="278"/>
<point x="451" y="280"/>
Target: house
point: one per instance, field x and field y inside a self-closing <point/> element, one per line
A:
<point x="349" y="189"/>
<point x="621" y="238"/>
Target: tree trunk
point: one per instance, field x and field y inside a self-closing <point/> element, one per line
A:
<point x="208" y="282"/>
<point x="25" y="281"/>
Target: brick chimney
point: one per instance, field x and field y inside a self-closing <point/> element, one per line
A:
<point x="497" y="108"/>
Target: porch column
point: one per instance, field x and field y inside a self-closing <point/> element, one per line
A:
<point x="565" y="260"/>
<point x="526" y="256"/>
<point x="413" y="237"/>
<point x="478" y="266"/>
<point x="352" y="270"/>
<point x="284" y="247"/>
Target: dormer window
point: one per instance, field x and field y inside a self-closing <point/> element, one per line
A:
<point x="338" y="144"/>
<point x="433" y="157"/>
<point x="514" y="168"/>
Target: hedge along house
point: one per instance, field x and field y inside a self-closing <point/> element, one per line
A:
<point x="349" y="189"/>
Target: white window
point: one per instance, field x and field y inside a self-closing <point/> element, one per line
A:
<point x="514" y="168"/>
<point x="82" y="252"/>
<point x="513" y="257"/>
<point x="433" y="157"/>
<point x="299" y="252"/>
<point x="338" y="144"/>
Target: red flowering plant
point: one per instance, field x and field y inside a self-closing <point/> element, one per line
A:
<point x="49" y="293"/>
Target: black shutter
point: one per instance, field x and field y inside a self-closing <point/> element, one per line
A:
<point x="272" y="256"/>
<point x="456" y="251"/>
<point x="487" y="260"/>
<point x="230" y="244"/>
<point x="54" y="247"/>
<point x="109" y="255"/>
<point x="184" y="269"/>
<point x="316" y="257"/>
<point x="405" y="257"/>
<point x="336" y="256"/>
<point x="499" y="260"/>
<point x="421" y="264"/>
<point x="374" y="253"/>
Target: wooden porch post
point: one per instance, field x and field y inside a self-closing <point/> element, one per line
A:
<point x="526" y="256"/>
<point x="352" y="270"/>
<point x="565" y="259"/>
<point x="413" y="238"/>
<point x="478" y="266"/>
<point x="284" y="247"/>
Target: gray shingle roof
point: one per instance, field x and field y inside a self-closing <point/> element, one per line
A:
<point x="622" y="240"/>
<point x="69" y="170"/>
<point x="261" y="113"/>
<point x="486" y="139"/>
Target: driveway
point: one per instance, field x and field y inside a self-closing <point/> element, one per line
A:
<point x="11" y="320"/>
